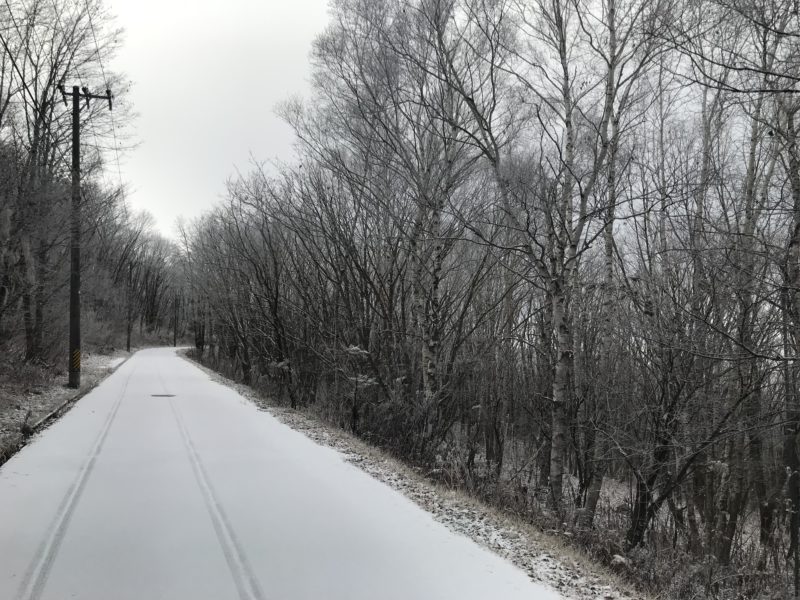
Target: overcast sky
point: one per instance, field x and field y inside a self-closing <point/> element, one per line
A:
<point x="206" y="78"/>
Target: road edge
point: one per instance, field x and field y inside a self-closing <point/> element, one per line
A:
<point x="29" y="432"/>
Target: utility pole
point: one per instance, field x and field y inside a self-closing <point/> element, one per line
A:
<point x="175" y="321"/>
<point x="129" y="309"/>
<point x="77" y="95"/>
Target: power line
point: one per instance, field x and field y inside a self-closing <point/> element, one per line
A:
<point x="105" y="79"/>
<point x="59" y="27"/>
<point x="96" y="45"/>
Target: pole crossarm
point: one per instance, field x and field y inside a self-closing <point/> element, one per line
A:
<point x="84" y="94"/>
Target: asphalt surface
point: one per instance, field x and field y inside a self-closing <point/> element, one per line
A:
<point x="162" y="484"/>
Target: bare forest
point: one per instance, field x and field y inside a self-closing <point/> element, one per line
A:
<point x="547" y="251"/>
<point x="127" y="269"/>
<point x="551" y="251"/>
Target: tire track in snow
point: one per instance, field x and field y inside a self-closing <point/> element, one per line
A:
<point x="243" y="577"/>
<point x="36" y="576"/>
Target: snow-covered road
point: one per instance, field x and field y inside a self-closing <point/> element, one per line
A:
<point x="162" y="484"/>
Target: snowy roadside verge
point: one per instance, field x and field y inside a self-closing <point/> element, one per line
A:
<point x="544" y="557"/>
<point x="26" y="408"/>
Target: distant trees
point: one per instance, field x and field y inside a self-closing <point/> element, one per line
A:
<point x="549" y="250"/>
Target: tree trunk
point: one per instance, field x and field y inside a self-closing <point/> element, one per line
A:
<point x="561" y="394"/>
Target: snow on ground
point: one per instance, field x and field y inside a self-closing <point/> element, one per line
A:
<point x="116" y="362"/>
<point x="545" y="559"/>
<point x="28" y="402"/>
